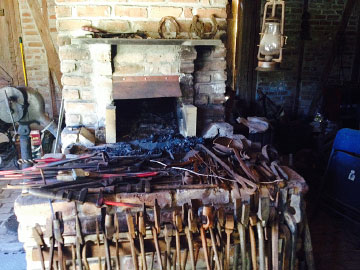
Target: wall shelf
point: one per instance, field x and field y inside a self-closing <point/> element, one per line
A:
<point x="129" y="41"/>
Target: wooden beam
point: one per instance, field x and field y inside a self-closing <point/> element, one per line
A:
<point x="45" y="12"/>
<point x="53" y="58"/>
<point x="16" y="30"/>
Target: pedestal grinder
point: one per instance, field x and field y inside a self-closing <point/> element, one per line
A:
<point x="25" y="106"/>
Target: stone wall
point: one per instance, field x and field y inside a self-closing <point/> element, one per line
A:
<point x="147" y="60"/>
<point x="35" y="54"/>
<point x="87" y="69"/>
<point x="324" y="19"/>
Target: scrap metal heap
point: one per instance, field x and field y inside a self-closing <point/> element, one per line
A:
<point x="227" y="205"/>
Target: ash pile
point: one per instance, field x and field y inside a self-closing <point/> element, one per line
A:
<point x="223" y="204"/>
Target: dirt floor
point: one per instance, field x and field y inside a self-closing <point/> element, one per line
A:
<point x="336" y="241"/>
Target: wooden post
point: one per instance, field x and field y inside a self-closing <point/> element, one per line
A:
<point x="14" y="28"/>
<point x="247" y="58"/>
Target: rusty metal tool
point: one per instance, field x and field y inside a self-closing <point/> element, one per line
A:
<point x="52" y="238"/>
<point x="109" y="231"/>
<point x="208" y="213"/>
<point x="73" y="256"/>
<point x="98" y="243"/>
<point x="236" y="257"/>
<point x="275" y="243"/>
<point x="185" y="258"/>
<point x="261" y="243"/>
<point x="285" y="238"/>
<point x="263" y="215"/>
<point x="174" y="260"/>
<point x="79" y="238"/>
<point x="219" y="226"/>
<point x="142" y="234"/>
<point x="229" y="227"/>
<point x="131" y="236"/>
<point x="168" y="232"/>
<point x="189" y="230"/>
<point x="107" y="253"/>
<point x="253" y="221"/>
<point x="293" y="216"/>
<point x="184" y="218"/>
<point x="178" y="229"/>
<point x="291" y="223"/>
<point x="242" y="213"/>
<point x="117" y="237"/>
<point x="84" y="253"/>
<point x="37" y="234"/>
<point x="155" y="231"/>
<point x="59" y="239"/>
<point x="205" y="247"/>
<point x="308" y="246"/>
<point x="52" y="248"/>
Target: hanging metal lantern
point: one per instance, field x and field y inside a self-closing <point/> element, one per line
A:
<point x="272" y="39"/>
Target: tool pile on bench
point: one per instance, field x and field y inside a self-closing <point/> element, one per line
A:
<point x="226" y="205"/>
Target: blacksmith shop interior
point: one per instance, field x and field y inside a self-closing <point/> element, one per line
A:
<point x="179" y="134"/>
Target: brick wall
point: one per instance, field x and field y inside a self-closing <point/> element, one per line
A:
<point x="324" y="18"/>
<point x="134" y="15"/>
<point x="210" y="77"/>
<point x="35" y="55"/>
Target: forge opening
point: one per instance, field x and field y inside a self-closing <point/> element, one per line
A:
<point x="141" y="118"/>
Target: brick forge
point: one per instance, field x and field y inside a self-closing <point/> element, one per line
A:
<point x="88" y="69"/>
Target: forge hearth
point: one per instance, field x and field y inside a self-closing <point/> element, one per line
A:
<point x="141" y="118"/>
<point x="191" y="71"/>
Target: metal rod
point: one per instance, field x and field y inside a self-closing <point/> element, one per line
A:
<point x="61" y="116"/>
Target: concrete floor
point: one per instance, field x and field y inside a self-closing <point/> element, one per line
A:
<point x="12" y="254"/>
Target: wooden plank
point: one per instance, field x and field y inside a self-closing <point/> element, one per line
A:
<point x="16" y="33"/>
<point x="125" y="41"/>
<point x="53" y="58"/>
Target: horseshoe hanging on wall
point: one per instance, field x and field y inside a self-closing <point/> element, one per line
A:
<point x="162" y="24"/>
<point x="198" y="28"/>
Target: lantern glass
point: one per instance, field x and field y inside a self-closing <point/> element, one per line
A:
<point x="270" y="42"/>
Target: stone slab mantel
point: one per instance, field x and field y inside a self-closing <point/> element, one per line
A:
<point x="129" y="41"/>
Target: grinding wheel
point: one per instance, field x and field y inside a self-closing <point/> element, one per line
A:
<point x="16" y="101"/>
